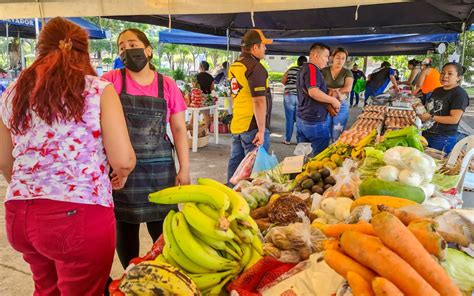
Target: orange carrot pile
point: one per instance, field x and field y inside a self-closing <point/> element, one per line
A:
<point x="399" y="239"/>
<point x="384" y="287"/>
<point x="388" y="258"/>
<point x="335" y="230"/>
<point x="342" y="264"/>
<point x="359" y="285"/>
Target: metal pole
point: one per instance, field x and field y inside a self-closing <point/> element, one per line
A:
<point x="8" y="52"/>
<point x="464" y="38"/>
<point x="22" y="53"/>
<point x="37" y="27"/>
<point x="228" y="46"/>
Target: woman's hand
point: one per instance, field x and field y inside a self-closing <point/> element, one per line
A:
<point x="183" y="178"/>
<point x="118" y="182"/>
<point x="425" y="117"/>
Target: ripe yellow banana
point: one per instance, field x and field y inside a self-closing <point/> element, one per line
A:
<point x="192" y="193"/>
<point x="208" y="210"/>
<point x="208" y="280"/>
<point x="216" y="290"/>
<point x="243" y="233"/>
<point x="247" y="253"/>
<point x="254" y="258"/>
<point x="235" y="247"/>
<point x="250" y="223"/>
<point x="167" y="256"/>
<point x="173" y="252"/>
<point x="188" y="244"/>
<point x="214" y="243"/>
<point x="257" y="244"/>
<point x="203" y="223"/>
<point x="161" y="259"/>
<point x="153" y="275"/>
<point x="240" y="207"/>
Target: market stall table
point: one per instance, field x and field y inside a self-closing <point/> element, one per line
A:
<point x="195" y="113"/>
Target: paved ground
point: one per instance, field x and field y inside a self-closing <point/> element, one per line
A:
<point x="210" y="161"/>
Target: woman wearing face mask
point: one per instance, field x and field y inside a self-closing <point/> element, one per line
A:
<point x="445" y="109"/>
<point x="150" y="101"/>
<point x="339" y="82"/>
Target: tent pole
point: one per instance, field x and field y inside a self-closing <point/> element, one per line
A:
<point x="8" y="52"/>
<point x="464" y="38"/>
<point x="365" y="65"/>
<point x="22" y="53"/>
<point x="228" y="51"/>
<point x="37" y="27"/>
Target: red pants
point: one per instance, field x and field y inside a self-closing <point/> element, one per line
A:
<point x="69" y="246"/>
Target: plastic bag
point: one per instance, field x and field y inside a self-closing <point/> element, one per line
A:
<point x="242" y="184"/>
<point x="244" y="170"/>
<point x="311" y="277"/>
<point x="359" y="85"/>
<point x="347" y="181"/>
<point x="264" y="161"/>
<point x="257" y="193"/>
<point x="303" y="149"/>
<point x="297" y="241"/>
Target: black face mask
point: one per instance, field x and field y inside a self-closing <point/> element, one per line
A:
<point x="134" y="59"/>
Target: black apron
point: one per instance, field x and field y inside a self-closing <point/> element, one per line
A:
<point x="155" y="168"/>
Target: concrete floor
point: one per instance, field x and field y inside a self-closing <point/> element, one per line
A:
<point x="210" y="161"/>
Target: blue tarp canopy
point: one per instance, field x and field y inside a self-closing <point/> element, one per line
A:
<point x="357" y="45"/>
<point x="25" y="28"/>
<point x="406" y="17"/>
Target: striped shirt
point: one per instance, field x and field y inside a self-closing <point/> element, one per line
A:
<point x="291" y="81"/>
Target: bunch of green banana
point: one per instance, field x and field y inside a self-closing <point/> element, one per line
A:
<point x="155" y="278"/>
<point x="213" y="238"/>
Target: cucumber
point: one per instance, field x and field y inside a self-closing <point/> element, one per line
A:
<point x="373" y="186"/>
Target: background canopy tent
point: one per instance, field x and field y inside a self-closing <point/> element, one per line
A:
<point x="357" y="45"/>
<point x="25" y="28"/>
<point x="297" y="18"/>
<point x="419" y="16"/>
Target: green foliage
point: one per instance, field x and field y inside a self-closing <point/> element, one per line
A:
<point x="107" y="61"/>
<point x="275" y="76"/>
<point x="166" y="71"/>
<point x="179" y="74"/>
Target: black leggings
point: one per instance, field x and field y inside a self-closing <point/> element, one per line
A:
<point x="128" y="239"/>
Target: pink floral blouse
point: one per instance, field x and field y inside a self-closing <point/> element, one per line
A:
<point x="65" y="161"/>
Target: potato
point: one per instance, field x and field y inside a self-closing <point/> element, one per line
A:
<point x="328" y="205"/>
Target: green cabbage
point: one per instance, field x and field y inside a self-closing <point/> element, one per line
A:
<point x="445" y="182"/>
<point x="460" y="268"/>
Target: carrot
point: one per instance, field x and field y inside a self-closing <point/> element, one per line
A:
<point x="384" y="287"/>
<point x="371" y="252"/>
<point x="359" y="285"/>
<point x="342" y="264"/>
<point x="335" y="230"/>
<point x="331" y="244"/>
<point x="431" y="241"/>
<point x="404" y="216"/>
<point x="426" y="224"/>
<point x="399" y="239"/>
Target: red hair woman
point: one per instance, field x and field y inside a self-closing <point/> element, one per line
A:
<point x="62" y="129"/>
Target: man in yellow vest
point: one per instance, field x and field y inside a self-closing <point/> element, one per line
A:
<point x="252" y="99"/>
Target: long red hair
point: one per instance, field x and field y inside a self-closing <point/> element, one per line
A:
<point x="53" y="85"/>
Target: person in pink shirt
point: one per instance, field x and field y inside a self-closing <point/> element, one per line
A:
<point x="150" y="101"/>
<point x="62" y="128"/>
